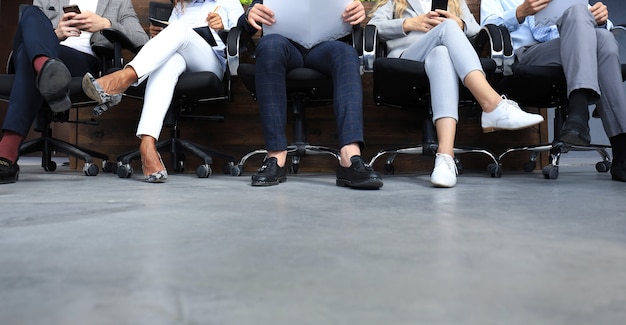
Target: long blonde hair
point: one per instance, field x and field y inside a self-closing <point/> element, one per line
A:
<point x="400" y="5"/>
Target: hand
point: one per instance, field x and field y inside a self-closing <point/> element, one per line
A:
<point x="449" y="15"/>
<point x="422" y="23"/>
<point x="67" y="27"/>
<point x="154" y="30"/>
<point x="90" y="22"/>
<point x="600" y="13"/>
<point x="354" y="13"/>
<point x="529" y="8"/>
<point x="260" y="15"/>
<point x="215" y="21"/>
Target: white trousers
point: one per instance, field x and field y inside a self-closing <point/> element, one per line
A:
<point x="448" y="56"/>
<point x="176" y="49"/>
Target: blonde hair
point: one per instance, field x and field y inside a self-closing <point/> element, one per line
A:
<point x="400" y="5"/>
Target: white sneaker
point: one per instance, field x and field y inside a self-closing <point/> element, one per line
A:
<point x="508" y="116"/>
<point x="444" y="174"/>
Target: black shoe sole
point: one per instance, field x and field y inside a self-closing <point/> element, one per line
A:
<point x="264" y="183"/>
<point x="573" y="137"/>
<point x="53" y="82"/>
<point x="10" y="180"/>
<point x="367" y="184"/>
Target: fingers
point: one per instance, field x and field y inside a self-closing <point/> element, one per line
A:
<point x="600" y="13"/>
<point x="154" y="30"/>
<point x="260" y="15"/>
<point x="354" y="13"/>
<point x="215" y="21"/>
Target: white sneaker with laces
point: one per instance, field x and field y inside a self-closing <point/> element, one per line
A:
<point x="508" y="116"/>
<point x="444" y="174"/>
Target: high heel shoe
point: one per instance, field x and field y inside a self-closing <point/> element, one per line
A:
<point x="156" y="177"/>
<point x="93" y="90"/>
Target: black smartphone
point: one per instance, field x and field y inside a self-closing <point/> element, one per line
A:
<point x="71" y="8"/>
<point x="159" y="23"/>
<point x="439" y="4"/>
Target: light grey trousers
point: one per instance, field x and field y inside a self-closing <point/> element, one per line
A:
<point x="590" y="59"/>
<point x="448" y="56"/>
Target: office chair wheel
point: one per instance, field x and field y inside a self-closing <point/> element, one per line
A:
<point x="204" y="171"/>
<point x="293" y="168"/>
<point x="233" y="170"/>
<point x="179" y="167"/>
<point x="550" y="172"/>
<point x="389" y="169"/>
<point x="90" y="169"/>
<point x="109" y="167"/>
<point x="530" y="165"/>
<point x="459" y="165"/>
<point x="50" y="166"/>
<point x="495" y="170"/>
<point x="603" y="166"/>
<point x="124" y="171"/>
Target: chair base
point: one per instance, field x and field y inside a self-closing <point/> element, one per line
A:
<point x="296" y="151"/>
<point x="551" y="171"/>
<point x="177" y="147"/>
<point x="47" y="144"/>
<point x="494" y="169"/>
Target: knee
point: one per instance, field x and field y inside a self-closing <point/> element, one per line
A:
<point x="437" y="55"/>
<point x="30" y="12"/>
<point x="272" y="43"/>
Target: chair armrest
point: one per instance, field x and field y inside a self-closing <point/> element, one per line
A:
<point x="116" y="37"/>
<point x="238" y="42"/>
<point x="500" y="47"/>
<point x="370" y="47"/>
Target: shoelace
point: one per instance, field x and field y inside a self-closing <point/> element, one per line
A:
<point x="449" y="161"/>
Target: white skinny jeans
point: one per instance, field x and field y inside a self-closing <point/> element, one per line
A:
<point x="448" y="56"/>
<point x="176" y="49"/>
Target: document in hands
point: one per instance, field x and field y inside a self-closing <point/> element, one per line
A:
<point x="308" y="22"/>
<point x="550" y="14"/>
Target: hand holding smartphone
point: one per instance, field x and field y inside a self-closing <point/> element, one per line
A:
<point x="439" y="4"/>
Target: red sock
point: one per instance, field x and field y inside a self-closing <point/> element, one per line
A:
<point x="10" y="145"/>
<point x="39" y="61"/>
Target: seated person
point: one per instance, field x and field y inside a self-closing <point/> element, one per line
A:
<point x="589" y="55"/>
<point x="275" y="55"/>
<point x="172" y="51"/>
<point x="49" y="47"/>
<point x="440" y="40"/>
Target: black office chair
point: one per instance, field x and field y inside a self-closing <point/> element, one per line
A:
<point x="305" y="87"/>
<point x="545" y="87"/>
<point x="403" y="84"/>
<point x="47" y="144"/>
<point x="192" y="90"/>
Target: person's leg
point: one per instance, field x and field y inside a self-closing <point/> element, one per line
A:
<point x="275" y="55"/>
<point x="157" y="100"/>
<point x="341" y="61"/>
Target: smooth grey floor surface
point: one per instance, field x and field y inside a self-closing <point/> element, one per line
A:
<point x="515" y="250"/>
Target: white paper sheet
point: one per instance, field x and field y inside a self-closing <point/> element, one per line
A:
<point x="308" y="22"/>
<point x="550" y="14"/>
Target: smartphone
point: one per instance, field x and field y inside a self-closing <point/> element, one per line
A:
<point x="159" y="23"/>
<point x="439" y="4"/>
<point x="71" y="8"/>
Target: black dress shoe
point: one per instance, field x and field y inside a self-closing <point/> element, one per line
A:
<point x="269" y="173"/>
<point x="575" y="133"/>
<point x="618" y="171"/>
<point x="9" y="171"/>
<point x="53" y="82"/>
<point x="358" y="175"/>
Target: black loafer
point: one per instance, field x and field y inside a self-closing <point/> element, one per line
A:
<point x="359" y="175"/>
<point x="9" y="171"/>
<point x="270" y="173"/>
<point x="53" y="82"/>
<point x="618" y="171"/>
<point x="575" y="133"/>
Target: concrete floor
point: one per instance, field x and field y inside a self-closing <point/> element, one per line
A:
<point x="514" y="250"/>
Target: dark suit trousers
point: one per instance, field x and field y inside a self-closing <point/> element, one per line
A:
<point x="35" y="37"/>
<point x="276" y="55"/>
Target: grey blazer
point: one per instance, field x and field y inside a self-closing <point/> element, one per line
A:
<point x="120" y="12"/>
<point x="390" y="28"/>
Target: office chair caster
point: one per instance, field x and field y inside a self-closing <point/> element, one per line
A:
<point x="603" y="166"/>
<point x="90" y="169"/>
<point x="124" y="170"/>
<point x="50" y="166"/>
<point x="550" y="172"/>
<point x="109" y="167"/>
<point x="389" y="169"/>
<point x="495" y="170"/>
<point x="204" y="171"/>
<point x="232" y="169"/>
